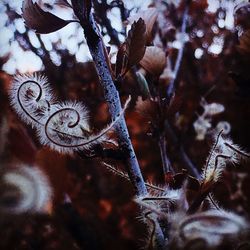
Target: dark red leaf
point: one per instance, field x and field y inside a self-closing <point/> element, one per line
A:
<point x="132" y="50"/>
<point x="149" y="16"/>
<point x="154" y="60"/>
<point x="39" y="20"/>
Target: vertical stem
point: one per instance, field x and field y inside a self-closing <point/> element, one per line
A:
<point x="172" y="87"/>
<point x="111" y="95"/>
<point x="164" y="158"/>
<point x="82" y="9"/>
<point x="182" y="154"/>
<point x="114" y="104"/>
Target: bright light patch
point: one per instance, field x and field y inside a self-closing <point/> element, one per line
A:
<point x="213" y="5"/>
<point x="221" y="23"/>
<point x="198" y="53"/>
<point x="200" y="33"/>
<point x="215" y="49"/>
<point x="5" y="34"/>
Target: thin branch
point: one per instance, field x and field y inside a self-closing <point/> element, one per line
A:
<point x="125" y="176"/>
<point x="172" y="86"/>
<point x="164" y="158"/>
<point x="182" y="154"/>
<point x="82" y="10"/>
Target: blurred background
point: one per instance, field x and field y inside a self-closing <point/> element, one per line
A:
<point x="92" y="208"/>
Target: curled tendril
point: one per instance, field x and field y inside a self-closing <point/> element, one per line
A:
<point x="64" y="127"/>
<point x="210" y="225"/>
<point x="24" y="189"/>
<point x="31" y="97"/>
<point x="66" y="130"/>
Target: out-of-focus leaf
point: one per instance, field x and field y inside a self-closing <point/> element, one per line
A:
<point x="132" y="50"/>
<point x="240" y="5"/>
<point x="21" y="145"/>
<point x="244" y="46"/>
<point x="154" y="60"/>
<point x="149" y="16"/>
<point x="121" y="61"/>
<point x="63" y="3"/>
<point x="39" y="20"/>
<point x="148" y="108"/>
<point x="143" y="84"/>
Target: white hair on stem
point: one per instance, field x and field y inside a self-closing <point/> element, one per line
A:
<point x="224" y="151"/>
<point x="24" y="189"/>
<point x="64" y="127"/>
<point x="124" y="175"/>
<point x="66" y="130"/>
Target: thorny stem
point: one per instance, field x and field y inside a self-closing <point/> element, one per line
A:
<point x="172" y="86"/>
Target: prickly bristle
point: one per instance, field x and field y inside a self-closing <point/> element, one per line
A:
<point x="30" y="96"/>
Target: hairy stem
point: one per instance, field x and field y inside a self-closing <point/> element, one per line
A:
<point x="111" y="95"/>
<point x="82" y="11"/>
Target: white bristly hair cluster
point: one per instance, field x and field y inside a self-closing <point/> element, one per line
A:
<point x="31" y="97"/>
<point x="24" y="189"/>
<point x="194" y="216"/>
<point x="62" y="126"/>
<point x="203" y="125"/>
<point x="223" y="152"/>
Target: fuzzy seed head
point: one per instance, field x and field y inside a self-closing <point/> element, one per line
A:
<point x="64" y="126"/>
<point x="24" y="189"/>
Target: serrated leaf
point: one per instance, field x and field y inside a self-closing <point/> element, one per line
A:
<point x="39" y="20"/>
<point x="143" y="84"/>
<point x="132" y="50"/>
<point x="149" y="16"/>
<point x="154" y="60"/>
